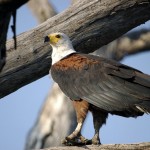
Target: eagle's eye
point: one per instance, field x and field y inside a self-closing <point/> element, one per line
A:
<point x="58" y="36"/>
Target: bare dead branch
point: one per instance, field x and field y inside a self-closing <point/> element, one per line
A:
<point x="133" y="42"/>
<point x="74" y="1"/>
<point x="42" y="13"/>
<point x="139" y="146"/>
<point x="88" y="23"/>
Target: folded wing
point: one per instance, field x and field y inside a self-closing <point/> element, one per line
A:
<point x="109" y="85"/>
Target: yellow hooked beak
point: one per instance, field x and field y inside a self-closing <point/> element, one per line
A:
<point x="52" y="38"/>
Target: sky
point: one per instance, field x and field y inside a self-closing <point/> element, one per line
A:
<point x="19" y="110"/>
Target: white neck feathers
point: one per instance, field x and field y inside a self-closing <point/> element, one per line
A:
<point x="60" y="52"/>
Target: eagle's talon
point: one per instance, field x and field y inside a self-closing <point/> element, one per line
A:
<point x="88" y="142"/>
<point x="63" y="141"/>
<point x="68" y="142"/>
<point x="96" y="142"/>
<point x="84" y="140"/>
<point x="79" y="140"/>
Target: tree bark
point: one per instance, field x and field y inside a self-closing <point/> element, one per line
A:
<point x="139" y="146"/>
<point x="90" y="24"/>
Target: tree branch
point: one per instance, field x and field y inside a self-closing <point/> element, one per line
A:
<point x="42" y="13"/>
<point x="131" y="43"/>
<point x="140" y="146"/>
<point x="90" y="24"/>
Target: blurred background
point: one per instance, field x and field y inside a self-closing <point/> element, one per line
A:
<point x="19" y="110"/>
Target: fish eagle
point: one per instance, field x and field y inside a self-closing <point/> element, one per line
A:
<point x="96" y="84"/>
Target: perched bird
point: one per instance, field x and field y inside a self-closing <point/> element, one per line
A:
<point x="96" y="84"/>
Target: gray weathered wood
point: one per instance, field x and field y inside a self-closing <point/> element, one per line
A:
<point x="138" y="146"/>
<point x="90" y="24"/>
<point x="43" y="12"/>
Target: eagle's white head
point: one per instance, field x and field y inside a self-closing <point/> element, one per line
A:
<point x="61" y="46"/>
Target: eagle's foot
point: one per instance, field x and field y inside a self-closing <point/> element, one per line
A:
<point x="68" y="142"/>
<point x="78" y="140"/>
<point x="95" y="140"/>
